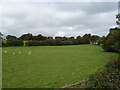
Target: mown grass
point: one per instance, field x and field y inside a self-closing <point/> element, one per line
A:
<point x="51" y="66"/>
<point x="0" y="68"/>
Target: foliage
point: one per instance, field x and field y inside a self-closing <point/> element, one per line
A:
<point x="33" y="43"/>
<point x="118" y="17"/>
<point x="10" y="37"/>
<point x="39" y="37"/>
<point x="108" y="78"/>
<point x="0" y="43"/>
<point x="68" y="42"/>
<point x="112" y="41"/>
<point x="40" y="40"/>
<point x="80" y="40"/>
<point x="3" y="42"/>
<point x="95" y="39"/>
<point x="86" y="38"/>
<point x="26" y="37"/>
<point x="48" y="42"/>
<point x="14" y="43"/>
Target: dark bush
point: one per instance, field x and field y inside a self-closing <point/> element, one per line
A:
<point x="112" y="41"/>
<point x="50" y="42"/>
<point x="14" y="43"/>
<point x="107" y="78"/>
<point x="58" y="42"/>
<point x="33" y="43"/>
<point x="3" y="44"/>
<point x="75" y="42"/>
<point x="67" y="42"/>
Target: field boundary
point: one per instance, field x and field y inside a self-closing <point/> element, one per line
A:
<point x="73" y="85"/>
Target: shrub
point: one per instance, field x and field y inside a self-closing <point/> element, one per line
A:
<point x="14" y="43"/>
<point x="67" y="42"/>
<point x="33" y="43"/>
<point x="3" y="44"/>
<point x="75" y="42"/>
<point x="108" y="78"/>
<point x="50" y="42"/>
<point x="112" y="41"/>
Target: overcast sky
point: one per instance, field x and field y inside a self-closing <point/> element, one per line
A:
<point x="58" y="18"/>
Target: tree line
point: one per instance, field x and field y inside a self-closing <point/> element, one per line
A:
<point x="110" y="43"/>
<point x="40" y="40"/>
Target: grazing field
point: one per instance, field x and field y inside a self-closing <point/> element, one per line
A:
<point x="51" y="66"/>
<point x="0" y="68"/>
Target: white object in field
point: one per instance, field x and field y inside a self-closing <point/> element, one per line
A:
<point x="13" y="53"/>
<point x="29" y="53"/>
<point x="5" y="51"/>
<point x="19" y="52"/>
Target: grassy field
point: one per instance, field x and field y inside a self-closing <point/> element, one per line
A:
<point x="0" y="68"/>
<point x="51" y="66"/>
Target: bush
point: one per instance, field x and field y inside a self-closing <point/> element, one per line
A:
<point x="14" y="43"/>
<point x="107" y="43"/>
<point x="112" y="41"/>
<point x="67" y="42"/>
<point x="33" y="43"/>
<point x="108" y="78"/>
<point x="50" y="42"/>
<point x="1" y="43"/>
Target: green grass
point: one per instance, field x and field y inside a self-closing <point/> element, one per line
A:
<point x="51" y="66"/>
<point x="0" y="68"/>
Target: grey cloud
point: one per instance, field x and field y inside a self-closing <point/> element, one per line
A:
<point x="89" y="7"/>
<point x="59" y="19"/>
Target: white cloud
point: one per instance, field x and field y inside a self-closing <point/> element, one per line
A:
<point x="58" y="19"/>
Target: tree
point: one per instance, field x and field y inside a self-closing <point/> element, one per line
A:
<point x="65" y="38"/>
<point x="40" y="37"/>
<point x="112" y="41"/>
<point x="71" y="38"/>
<point x="26" y="37"/>
<point x="49" y="37"/>
<point x="118" y="19"/>
<point x="58" y="38"/>
<point x="79" y="40"/>
<point x="10" y="37"/>
<point x="86" y="38"/>
<point x="95" y="39"/>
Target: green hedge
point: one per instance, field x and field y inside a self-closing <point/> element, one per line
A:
<point x="111" y="42"/>
<point x="14" y="43"/>
<point x="108" y="78"/>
